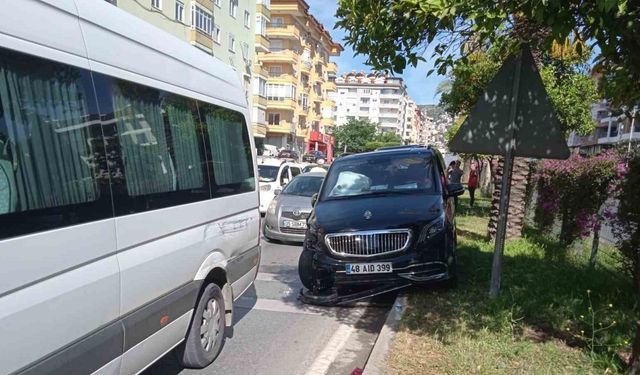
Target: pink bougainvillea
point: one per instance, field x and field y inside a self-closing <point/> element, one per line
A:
<point x="576" y="190"/>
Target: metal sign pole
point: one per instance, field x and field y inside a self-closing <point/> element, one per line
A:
<point x="496" y="269"/>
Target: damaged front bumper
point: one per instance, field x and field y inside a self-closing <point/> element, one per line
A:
<point x="342" y="288"/>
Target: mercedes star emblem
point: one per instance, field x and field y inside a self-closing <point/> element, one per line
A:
<point x="367" y="214"/>
<point x="296" y="212"/>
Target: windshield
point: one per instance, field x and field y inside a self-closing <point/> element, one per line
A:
<point x="304" y="186"/>
<point x="268" y="173"/>
<point x="387" y="174"/>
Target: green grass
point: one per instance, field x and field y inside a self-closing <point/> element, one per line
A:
<point x="541" y="323"/>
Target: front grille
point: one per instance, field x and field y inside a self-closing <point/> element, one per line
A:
<point x="290" y="215"/>
<point x="293" y="230"/>
<point x="369" y="243"/>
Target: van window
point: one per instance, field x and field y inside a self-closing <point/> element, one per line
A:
<point x="154" y="146"/>
<point x="284" y="175"/>
<point x="52" y="167"/>
<point x="229" y="148"/>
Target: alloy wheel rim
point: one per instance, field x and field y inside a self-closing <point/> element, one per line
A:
<point x="209" y="329"/>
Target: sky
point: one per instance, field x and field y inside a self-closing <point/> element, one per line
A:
<point x="420" y="87"/>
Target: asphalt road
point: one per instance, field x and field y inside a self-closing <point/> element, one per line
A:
<point x="274" y="333"/>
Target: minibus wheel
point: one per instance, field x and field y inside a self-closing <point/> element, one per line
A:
<point x="206" y="332"/>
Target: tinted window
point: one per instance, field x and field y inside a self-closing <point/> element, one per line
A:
<point x="381" y="175"/>
<point x="52" y="166"/>
<point x="295" y="171"/>
<point x="155" y="148"/>
<point x="229" y="150"/>
<point x="304" y="186"/>
<point x="268" y="173"/>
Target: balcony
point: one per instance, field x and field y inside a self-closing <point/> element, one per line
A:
<point x="285" y="104"/>
<point x="281" y="78"/>
<point x="262" y="8"/>
<point x="284" y="127"/>
<point x="206" y="4"/>
<point x="332" y="68"/>
<point x="201" y="38"/>
<point x="284" y="56"/>
<point x="305" y="67"/>
<point x="329" y="86"/>
<point x="259" y="130"/>
<point x="262" y="43"/>
<point x="260" y="101"/>
<point x="282" y="31"/>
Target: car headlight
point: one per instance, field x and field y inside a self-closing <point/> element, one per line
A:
<point x="432" y="229"/>
<point x="266" y="187"/>
<point x="272" y="207"/>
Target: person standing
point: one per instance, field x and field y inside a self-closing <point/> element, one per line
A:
<point x="455" y="177"/>
<point x="472" y="184"/>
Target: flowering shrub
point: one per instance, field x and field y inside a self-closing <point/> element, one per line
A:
<point x="627" y="224"/>
<point x="576" y="190"/>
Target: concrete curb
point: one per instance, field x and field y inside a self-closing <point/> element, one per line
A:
<point x="377" y="362"/>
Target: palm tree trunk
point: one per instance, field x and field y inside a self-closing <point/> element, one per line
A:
<point x="517" y="202"/>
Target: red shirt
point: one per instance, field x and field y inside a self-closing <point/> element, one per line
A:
<point x="473" y="179"/>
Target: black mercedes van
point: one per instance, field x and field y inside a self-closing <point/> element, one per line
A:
<point x="381" y="219"/>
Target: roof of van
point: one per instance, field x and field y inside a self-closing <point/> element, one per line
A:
<point x="410" y="149"/>
<point x="122" y="45"/>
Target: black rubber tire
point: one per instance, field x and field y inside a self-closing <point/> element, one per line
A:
<point x="305" y="269"/>
<point x="193" y="354"/>
<point x="452" y="282"/>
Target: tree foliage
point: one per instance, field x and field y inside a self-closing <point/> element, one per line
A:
<point x="570" y="89"/>
<point x="361" y="136"/>
<point x="394" y="33"/>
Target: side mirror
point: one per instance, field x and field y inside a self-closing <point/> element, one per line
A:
<point x="455" y="190"/>
<point x="314" y="199"/>
<point x="277" y="192"/>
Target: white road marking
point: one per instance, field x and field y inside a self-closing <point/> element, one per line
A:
<point x="265" y="276"/>
<point x="333" y="348"/>
<point x="279" y="306"/>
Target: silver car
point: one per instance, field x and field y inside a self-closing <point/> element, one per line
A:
<point x="286" y="218"/>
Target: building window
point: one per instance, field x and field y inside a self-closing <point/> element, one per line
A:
<point x="247" y="19"/>
<point x="233" y="8"/>
<point x="262" y="87"/>
<point x="156" y="4"/>
<point x="280" y="92"/>
<point x="277" y="22"/>
<point x="232" y="43"/>
<point x="245" y="51"/>
<point x="216" y="33"/>
<point x="217" y="2"/>
<point x="201" y="19"/>
<point x="274" y="119"/>
<point x="180" y="11"/>
<point x="261" y="25"/>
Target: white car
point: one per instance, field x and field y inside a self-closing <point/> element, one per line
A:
<point x="274" y="174"/>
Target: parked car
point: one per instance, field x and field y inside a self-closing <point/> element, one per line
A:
<point x="286" y="217"/>
<point x="313" y="156"/>
<point x="315" y="168"/>
<point x="274" y="174"/>
<point x="383" y="220"/>
<point x="289" y="154"/>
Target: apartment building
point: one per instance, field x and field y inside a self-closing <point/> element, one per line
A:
<point x="299" y="85"/>
<point x="374" y="96"/>
<point x="221" y="28"/>
<point x="260" y="73"/>
<point x="613" y="128"/>
<point x="410" y="131"/>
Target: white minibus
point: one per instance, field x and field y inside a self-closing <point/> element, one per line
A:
<point x="129" y="217"/>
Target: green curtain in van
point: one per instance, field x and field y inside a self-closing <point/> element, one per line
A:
<point x="185" y="144"/>
<point x="148" y="168"/>
<point x="229" y="156"/>
<point x="46" y="153"/>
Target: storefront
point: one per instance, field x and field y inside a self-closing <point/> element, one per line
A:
<point x="321" y="142"/>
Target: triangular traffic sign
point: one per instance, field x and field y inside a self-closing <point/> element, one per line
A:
<point x="537" y="130"/>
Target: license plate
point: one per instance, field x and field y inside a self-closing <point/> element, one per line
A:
<point x="364" y="268"/>
<point x="294" y="224"/>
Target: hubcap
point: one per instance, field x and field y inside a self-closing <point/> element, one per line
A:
<point x="209" y="329"/>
